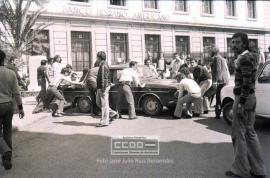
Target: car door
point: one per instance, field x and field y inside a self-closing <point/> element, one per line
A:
<point x="263" y="91"/>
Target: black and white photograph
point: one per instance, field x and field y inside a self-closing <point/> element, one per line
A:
<point x="134" y="88"/>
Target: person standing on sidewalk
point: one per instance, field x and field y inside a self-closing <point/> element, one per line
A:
<point x="126" y="77"/>
<point x="247" y="150"/>
<point x="103" y="87"/>
<point x="220" y="76"/>
<point x="9" y="90"/>
<point x="42" y="77"/>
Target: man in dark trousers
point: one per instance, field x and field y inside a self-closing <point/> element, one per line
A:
<point x="247" y="152"/>
<point x="42" y="77"/>
<point x="220" y="76"/>
<point x="9" y="90"/>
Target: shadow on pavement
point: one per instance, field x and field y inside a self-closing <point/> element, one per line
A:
<point x="78" y="155"/>
<point x="76" y="123"/>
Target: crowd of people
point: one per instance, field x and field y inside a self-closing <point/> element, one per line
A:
<point x="197" y="85"/>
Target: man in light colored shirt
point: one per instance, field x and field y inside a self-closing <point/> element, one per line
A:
<point x="175" y="65"/>
<point x="56" y="66"/>
<point x="53" y="92"/>
<point x="127" y="76"/>
<point x="9" y="91"/>
<point x="193" y="96"/>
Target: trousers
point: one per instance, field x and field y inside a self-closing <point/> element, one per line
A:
<point x="125" y="90"/>
<point x="247" y="149"/>
<point x="6" y="114"/>
<point x="188" y="99"/>
<point x="205" y="85"/>
<point x="103" y="103"/>
<point x="54" y="93"/>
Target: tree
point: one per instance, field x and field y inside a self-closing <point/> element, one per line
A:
<point x="19" y="29"/>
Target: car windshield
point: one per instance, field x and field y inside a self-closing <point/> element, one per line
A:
<point x="146" y="73"/>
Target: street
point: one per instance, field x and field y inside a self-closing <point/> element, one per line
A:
<point x="72" y="146"/>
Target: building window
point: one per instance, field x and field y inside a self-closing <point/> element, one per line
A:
<point x="118" y="2"/>
<point x="182" y="45"/>
<point x="181" y="5"/>
<point x="230" y="8"/>
<point x="151" y="4"/>
<point x="119" y="48"/>
<point x="79" y="0"/>
<point x="251" y="7"/>
<point x="207" y="6"/>
<point x="207" y="43"/>
<point x="152" y="47"/>
<point x="81" y="50"/>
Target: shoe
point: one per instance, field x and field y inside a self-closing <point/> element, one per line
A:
<point x="217" y="117"/>
<point x="111" y="120"/>
<point x="132" y="118"/>
<point x="189" y="116"/>
<point x="231" y="174"/>
<point x="101" y="125"/>
<point x="257" y="176"/>
<point x="176" y="117"/>
<point x="6" y="159"/>
<point x="206" y="112"/>
<point x="196" y="115"/>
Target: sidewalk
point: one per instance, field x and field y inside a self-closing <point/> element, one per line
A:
<point x="29" y="104"/>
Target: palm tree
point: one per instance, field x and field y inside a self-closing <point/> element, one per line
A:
<point x="18" y="27"/>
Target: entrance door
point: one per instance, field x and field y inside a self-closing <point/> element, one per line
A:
<point x="152" y="46"/>
<point x="81" y="50"/>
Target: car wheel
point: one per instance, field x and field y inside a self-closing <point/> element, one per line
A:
<point x="228" y="112"/>
<point x="151" y="106"/>
<point x="84" y="105"/>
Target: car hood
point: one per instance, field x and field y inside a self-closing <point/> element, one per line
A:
<point x="158" y="83"/>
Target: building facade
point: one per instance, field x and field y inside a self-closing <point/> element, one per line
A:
<point x="134" y="29"/>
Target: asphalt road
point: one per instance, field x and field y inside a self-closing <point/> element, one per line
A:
<point x="72" y="146"/>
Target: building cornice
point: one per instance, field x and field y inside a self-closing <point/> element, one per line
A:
<point x="141" y="21"/>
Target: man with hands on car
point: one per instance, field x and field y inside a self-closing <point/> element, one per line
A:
<point x="127" y="76"/>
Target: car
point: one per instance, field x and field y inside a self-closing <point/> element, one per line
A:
<point x="261" y="91"/>
<point x="151" y="99"/>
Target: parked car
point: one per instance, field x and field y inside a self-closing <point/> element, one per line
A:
<point x="156" y="94"/>
<point x="262" y="94"/>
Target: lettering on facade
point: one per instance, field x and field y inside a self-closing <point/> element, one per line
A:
<point x="86" y="11"/>
<point x="74" y="10"/>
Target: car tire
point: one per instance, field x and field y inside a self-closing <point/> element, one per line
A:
<point x="151" y="106"/>
<point x="84" y="105"/>
<point x="227" y="113"/>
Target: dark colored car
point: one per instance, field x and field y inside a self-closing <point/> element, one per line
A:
<point x="156" y="94"/>
<point x="151" y="99"/>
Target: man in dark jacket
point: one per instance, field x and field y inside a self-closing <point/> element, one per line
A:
<point x="103" y="87"/>
<point x="42" y="77"/>
<point x="204" y="79"/>
<point x="9" y="90"/>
